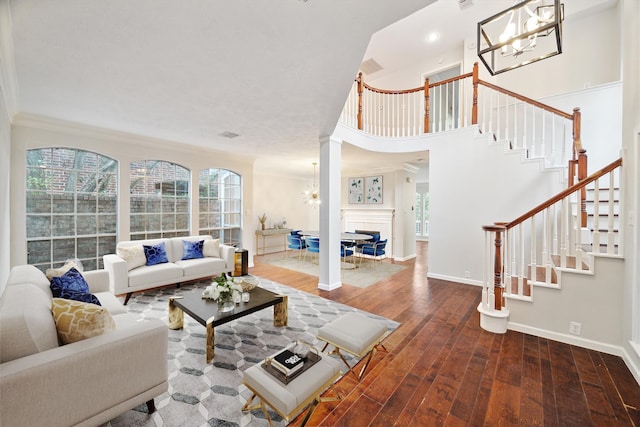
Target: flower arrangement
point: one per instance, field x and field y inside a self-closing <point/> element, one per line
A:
<point x="223" y="289"/>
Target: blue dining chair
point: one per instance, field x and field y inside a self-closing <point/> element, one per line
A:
<point x="345" y="251"/>
<point x="313" y="246"/>
<point x="295" y="243"/>
<point x="375" y="251"/>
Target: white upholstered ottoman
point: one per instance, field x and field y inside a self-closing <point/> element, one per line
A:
<point x="354" y="333"/>
<point x="290" y="399"/>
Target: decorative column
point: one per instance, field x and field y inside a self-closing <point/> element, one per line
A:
<point x="330" y="179"/>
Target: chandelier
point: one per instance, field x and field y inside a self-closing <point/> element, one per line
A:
<point x="311" y="195"/>
<point x="527" y="32"/>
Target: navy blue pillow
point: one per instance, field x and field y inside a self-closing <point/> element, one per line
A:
<point x="72" y="280"/>
<point x="60" y="292"/>
<point x="192" y="250"/>
<point x="156" y="254"/>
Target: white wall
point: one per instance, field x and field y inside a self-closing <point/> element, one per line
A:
<point x="36" y="132"/>
<point x="281" y="197"/>
<point x="587" y="40"/>
<point x="601" y="122"/>
<point x="472" y="184"/>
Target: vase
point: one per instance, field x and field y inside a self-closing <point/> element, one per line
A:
<point x="226" y="305"/>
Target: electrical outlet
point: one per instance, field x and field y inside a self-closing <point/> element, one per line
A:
<point x="575" y="328"/>
<point x="467" y="274"/>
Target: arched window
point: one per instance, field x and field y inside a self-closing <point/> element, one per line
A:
<point x="159" y="200"/>
<point x="71" y="207"/>
<point x="220" y="205"/>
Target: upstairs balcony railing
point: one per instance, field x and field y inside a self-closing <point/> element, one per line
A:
<point x="540" y="130"/>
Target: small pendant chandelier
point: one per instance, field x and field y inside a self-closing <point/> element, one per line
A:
<point x="311" y="195"/>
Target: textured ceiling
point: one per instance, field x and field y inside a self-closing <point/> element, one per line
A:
<point x="275" y="72"/>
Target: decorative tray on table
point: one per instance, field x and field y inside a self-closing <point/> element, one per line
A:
<point x="309" y="354"/>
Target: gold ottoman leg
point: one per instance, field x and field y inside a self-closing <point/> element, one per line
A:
<point x="210" y="340"/>
<point x="281" y="312"/>
<point x="176" y="315"/>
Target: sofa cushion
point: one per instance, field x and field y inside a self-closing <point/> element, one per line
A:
<point x="26" y="324"/>
<point x="133" y="255"/>
<point x="160" y="274"/>
<point x="156" y="254"/>
<point x="201" y="267"/>
<point x="72" y="280"/>
<point x="57" y="272"/>
<point x="76" y="321"/>
<point x="211" y="248"/>
<point x="192" y="250"/>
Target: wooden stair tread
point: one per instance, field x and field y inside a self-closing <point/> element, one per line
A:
<point x="571" y="262"/>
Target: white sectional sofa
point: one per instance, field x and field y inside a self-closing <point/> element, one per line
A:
<point x="126" y="277"/>
<point x="86" y="382"/>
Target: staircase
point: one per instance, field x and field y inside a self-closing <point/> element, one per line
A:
<point x="552" y="266"/>
<point x="547" y="258"/>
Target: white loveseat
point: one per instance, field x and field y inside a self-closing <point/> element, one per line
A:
<point x="125" y="280"/>
<point x="87" y="382"/>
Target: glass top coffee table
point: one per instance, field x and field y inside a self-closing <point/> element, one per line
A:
<point x="209" y="314"/>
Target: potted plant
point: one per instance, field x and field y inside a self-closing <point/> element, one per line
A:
<point x="262" y="218"/>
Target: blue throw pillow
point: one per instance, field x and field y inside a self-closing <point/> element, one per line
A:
<point x="192" y="250"/>
<point x="60" y="292"/>
<point x="72" y="280"/>
<point x="155" y="254"/>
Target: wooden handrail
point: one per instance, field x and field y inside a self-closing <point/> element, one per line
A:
<point x="527" y="100"/>
<point x="391" y="91"/>
<point x="566" y="192"/>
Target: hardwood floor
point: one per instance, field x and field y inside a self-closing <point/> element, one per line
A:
<point x="443" y="369"/>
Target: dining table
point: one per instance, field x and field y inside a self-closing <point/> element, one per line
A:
<point x="355" y="238"/>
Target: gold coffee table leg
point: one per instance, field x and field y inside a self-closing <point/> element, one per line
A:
<point x="210" y="340"/>
<point x="281" y="312"/>
<point x="176" y="315"/>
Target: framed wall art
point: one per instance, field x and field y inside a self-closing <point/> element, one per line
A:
<point x="373" y="188"/>
<point x="356" y="190"/>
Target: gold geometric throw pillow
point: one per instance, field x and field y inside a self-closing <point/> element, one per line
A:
<point x="76" y="320"/>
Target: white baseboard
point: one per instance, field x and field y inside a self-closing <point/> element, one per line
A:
<point x="630" y="361"/>
<point x="567" y="339"/>
<point x="455" y="279"/>
<point x="406" y="258"/>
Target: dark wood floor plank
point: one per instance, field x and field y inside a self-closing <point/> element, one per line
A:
<point x="531" y="410"/>
<point x="570" y="398"/>
<point x="504" y="405"/>
<point x="443" y="369"/>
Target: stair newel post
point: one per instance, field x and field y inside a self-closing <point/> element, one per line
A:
<point x="580" y="154"/>
<point x="360" y="90"/>
<point x="474" y="107"/>
<point x="426" y="105"/>
<point x="498" y="285"/>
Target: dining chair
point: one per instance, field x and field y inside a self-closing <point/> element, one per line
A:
<point x="313" y="246"/>
<point x="295" y="243"/>
<point x="374" y="251"/>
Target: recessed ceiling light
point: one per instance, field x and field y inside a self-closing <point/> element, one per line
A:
<point x="432" y="37"/>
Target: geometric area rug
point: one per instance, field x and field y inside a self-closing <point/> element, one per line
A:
<point x="202" y="394"/>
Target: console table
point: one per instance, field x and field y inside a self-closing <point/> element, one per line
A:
<point x="276" y="232"/>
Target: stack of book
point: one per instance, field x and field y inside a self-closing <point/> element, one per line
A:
<point x="287" y="362"/>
